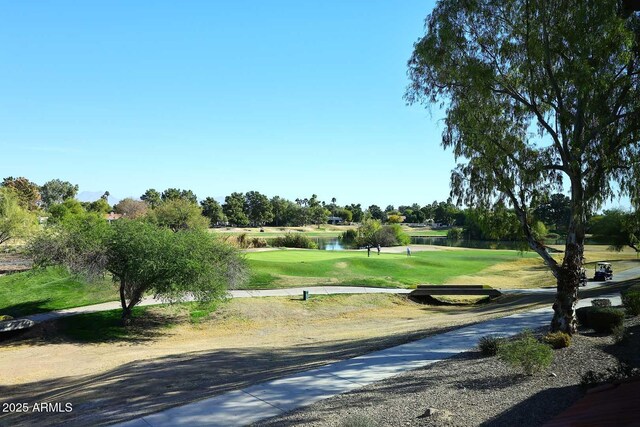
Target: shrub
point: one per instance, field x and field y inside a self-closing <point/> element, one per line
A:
<point x="557" y="340"/>
<point x="622" y="371"/>
<point x="372" y="233"/>
<point x="631" y="300"/>
<point x="601" y="302"/>
<point x="526" y="353"/>
<point x="349" y="236"/>
<point x="600" y="319"/>
<point x="5" y="317"/>
<point x="243" y="241"/>
<point x="291" y="240"/>
<point x="258" y="242"/>
<point x="619" y="334"/>
<point x="489" y="345"/>
<point x="455" y="233"/>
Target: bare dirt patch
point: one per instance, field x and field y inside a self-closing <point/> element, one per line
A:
<point x="244" y="342"/>
<point x="519" y="274"/>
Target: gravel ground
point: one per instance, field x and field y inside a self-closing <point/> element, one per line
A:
<point x="471" y="390"/>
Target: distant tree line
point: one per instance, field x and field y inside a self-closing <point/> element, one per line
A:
<point x="179" y="209"/>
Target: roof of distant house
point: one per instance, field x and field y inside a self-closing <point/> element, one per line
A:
<point x="112" y="216"/>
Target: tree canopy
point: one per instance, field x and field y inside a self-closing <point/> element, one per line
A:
<point x="57" y="191"/>
<point x="131" y="208"/>
<point x="179" y="214"/>
<point x="617" y="228"/>
<point x="539" y="95"/>
<point x="28" y="192"/>
<point x="15" y="220"/>
<point x="142" y="258"/>
<point x="151" y="197"/>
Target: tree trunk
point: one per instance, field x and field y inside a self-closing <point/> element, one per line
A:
<point x="568" y="281"/>
<point x="126" y="310"/>
<point x="568" y="276"/>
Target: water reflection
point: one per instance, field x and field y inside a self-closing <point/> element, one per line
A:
<point x="335" y="244"/>
<point x="329" y="243"/>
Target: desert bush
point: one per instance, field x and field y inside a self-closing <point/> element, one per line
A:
<point x="244" y="241"/>
<point x="601" y="302"/>
<point x="489" y="345"/>
<point x="349" y="236"/>
<point x="557" y="339"/>
<point x="631" y="300"/>
<point x="526" y="353"/>
<point x="600" y="319"/>
<point x="5" y="317"/>
<point x="619" y="334"/>
<point x="291" y="240"/>
<point x="258" y="242"/>
<point x="620" y="372"/>
<point x="455" y="233"/>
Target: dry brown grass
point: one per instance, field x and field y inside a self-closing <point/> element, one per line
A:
<point x="241" y="323"/>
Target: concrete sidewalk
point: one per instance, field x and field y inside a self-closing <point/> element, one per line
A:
<point x="631" y="273"/>
<point x="261" y="401"/>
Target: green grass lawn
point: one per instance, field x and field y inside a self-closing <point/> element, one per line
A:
<point x="53" y="289"/>
<point x="38" y="291"/>
<point x="277" y="269"/>
<point x="426" y="233"/>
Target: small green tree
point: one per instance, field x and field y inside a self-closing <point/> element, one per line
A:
<point x="617" y="228"/>
<point x="57" y="191"/>
<point x="15" y="220"/>
<point x="176" y="193"/>
<point x="233" y="208"/>
<point x="212" y="210"/>
<point x="143" y="258"/>
<point x="151" y="197"/>
<point x="179" y="214"/>
<point x="28" y="192"/>
<point x="319" y="215"/>
<point x="376" y="212"/>
<point x="257" y="208"/>
<point x="100" y="206"/>
<point x="131" y="208"/>
<point x="61" y="211"/>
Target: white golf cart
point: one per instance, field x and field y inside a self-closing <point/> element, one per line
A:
<point x="603" y="271"/>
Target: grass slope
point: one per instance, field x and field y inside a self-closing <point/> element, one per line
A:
<point x="289" y="268"/>
<point x="38" y="291"/>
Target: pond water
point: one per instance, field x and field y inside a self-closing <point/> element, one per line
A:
<point x="334" y="243"/>
<point x="329" y="244"/>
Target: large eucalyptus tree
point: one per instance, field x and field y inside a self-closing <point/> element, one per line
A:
<point x="540" y="96"/>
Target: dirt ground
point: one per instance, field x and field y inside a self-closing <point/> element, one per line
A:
<point x="245" y="342"/>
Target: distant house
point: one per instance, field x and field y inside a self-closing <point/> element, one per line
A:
<point x="112" y="216"/>
<point x="335" y="220"/>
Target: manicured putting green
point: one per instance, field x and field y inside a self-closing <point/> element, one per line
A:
<point x="287" y="268"/>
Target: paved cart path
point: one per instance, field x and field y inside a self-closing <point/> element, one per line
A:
<point x="266" y="400"/>
<point x="297" y="292"/>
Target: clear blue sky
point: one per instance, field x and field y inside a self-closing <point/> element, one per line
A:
<point x="284" y="97"/>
